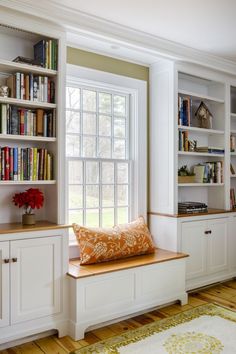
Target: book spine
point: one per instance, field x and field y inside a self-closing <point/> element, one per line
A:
<point x="3" y="164"/>
<point x="7" y="163"/>
<point x="15" y="164"/>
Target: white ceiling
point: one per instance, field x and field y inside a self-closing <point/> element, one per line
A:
<point x="208" y="25"/>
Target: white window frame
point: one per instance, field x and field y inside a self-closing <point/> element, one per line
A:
<point x="137" y="89"/>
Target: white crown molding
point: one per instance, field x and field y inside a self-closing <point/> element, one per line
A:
<point x="93" y="28"/>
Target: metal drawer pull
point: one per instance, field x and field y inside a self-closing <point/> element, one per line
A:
<point x="6" y="260"/>
<point x="207" y="232"/>
<point x="14" y="260"/>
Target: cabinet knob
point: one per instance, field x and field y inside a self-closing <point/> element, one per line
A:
<point x="6" y="260"/>
<point x="14" y="259"/>
<point x="207" y="232"/>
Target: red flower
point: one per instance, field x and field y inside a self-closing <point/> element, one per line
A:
<point x="30" y="199"/>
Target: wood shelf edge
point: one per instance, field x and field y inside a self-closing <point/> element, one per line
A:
<point x="210" y="212"/>
<point x="10" y="228"/>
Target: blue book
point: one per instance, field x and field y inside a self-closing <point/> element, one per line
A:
<point x="15" y="164"/>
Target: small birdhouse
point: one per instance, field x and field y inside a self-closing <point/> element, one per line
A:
<point x="204" y="116"/>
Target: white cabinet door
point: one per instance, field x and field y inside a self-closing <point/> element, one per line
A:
<point x="36" y="273"/>
<point x="232" y="243"/>
<point x="217" y="257"/>
<point x="4" y="284"/>
<point x="194" y="243"/>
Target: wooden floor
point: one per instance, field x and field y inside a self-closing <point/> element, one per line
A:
<point x="222" y="294"/>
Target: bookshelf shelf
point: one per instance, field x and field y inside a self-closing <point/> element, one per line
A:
<point x="199" y="154"/>
<point x="201" y="130"/>
<point x="233" y="131"/>
<point x="233" y="176"/>
<point x="26" y="138"/>
<point x="200" y="96"/>
<point x="233" y="115"/>
<point x="200" y="184"/>
<point x="27" y="182"/>
<point x="8" y="66"/>
<point x="25" y="103"/>
<point x="233" y="153"/>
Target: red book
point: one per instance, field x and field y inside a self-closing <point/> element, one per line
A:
<point x="7" y="163"/>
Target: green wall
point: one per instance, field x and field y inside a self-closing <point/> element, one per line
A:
<point x="100" y="62"/>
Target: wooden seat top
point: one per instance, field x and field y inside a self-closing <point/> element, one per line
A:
<point x="77" y="271"/>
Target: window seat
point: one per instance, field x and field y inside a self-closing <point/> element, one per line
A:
<point x="111" y="290"/>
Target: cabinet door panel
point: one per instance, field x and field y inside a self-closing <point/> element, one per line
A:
<point x="194" y="243"/>
<point x="217" y="245"/>
<point x="35" y="278"/>
<point x="232" y="243"/>
<point x="4" y="284"/>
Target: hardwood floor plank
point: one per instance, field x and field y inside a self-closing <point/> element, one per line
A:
<point x="49" y="346"/>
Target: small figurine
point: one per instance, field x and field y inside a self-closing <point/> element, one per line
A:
<point x="4" y="91"/>
<point x="204" y="116"/>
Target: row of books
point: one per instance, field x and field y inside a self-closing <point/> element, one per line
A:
<point x="192" y="207"/>
<point x="209" y="172"/>
<point x="232" y="199"/>
<point x="210" y="150"/>
<point x="31" y="87"/>
<point x="20" y="121"/>
<point x="45" y="52"/>
<point x="184" y="111"/>
<point x="25" y="164"/>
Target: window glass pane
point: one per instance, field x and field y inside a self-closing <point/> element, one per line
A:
<point x="89" y="100"/>
<point x="107" y="217"/>
<point x="89" y="123"/>
<point x="92" y="172"/>
<point x="107" y="172"/>
<point x="122" y="173"/>
<point x="119" y="105"/>
<point x="104" y="147"/>
<point x="73" y="145"/>
<point x="72" y="122"/>
<point x="122" y="215"/>
<point x="89" y="146"/>
<point x="75" y="172"/>
<point x="122" y="195"/>
<point x="107" y="196"/>
<point x="104" y="100"/>
<point x="73" y="97"/>
<point x="76" y="216"/>
<point x="92" y="196"/>
<point x="92" y="217"/>
<point x="119" y="149"/>
<point x="119" y="128"/>
<point x="75" y="196"/>
<point x="105" y="125"/>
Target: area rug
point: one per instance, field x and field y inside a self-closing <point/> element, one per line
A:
<point x="207" y="329"/>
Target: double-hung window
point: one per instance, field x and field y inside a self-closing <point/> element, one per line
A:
<point x="100" y="153"/>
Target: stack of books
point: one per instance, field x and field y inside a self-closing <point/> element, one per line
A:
<point x="31" y="87"/>
<point x="25" y="164"/>
<point x="20" y="121"/>
<point x="209" y="172"/>
<point x="192" y="207"/>
<point x="184" y="111"/>
<point x="45" y="52"/>
<point x="210" y="150"/>
<point x="232" y="199"/>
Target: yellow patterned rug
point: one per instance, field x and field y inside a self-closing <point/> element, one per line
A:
<point x="207" y="329"/>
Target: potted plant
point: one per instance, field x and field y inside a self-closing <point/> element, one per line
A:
<point x="30" y="199"/>
<point x="185" y="175"/>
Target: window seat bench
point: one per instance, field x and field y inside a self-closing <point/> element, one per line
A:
<point x="110" y="290"/>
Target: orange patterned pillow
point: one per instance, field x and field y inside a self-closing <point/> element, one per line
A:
<point x="100" y="245"/>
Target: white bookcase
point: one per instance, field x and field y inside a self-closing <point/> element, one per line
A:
<point x="17" y="37"/>
<point x="168" y="82"/>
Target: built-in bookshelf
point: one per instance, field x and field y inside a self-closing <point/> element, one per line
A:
<point x="31" y="153"/>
